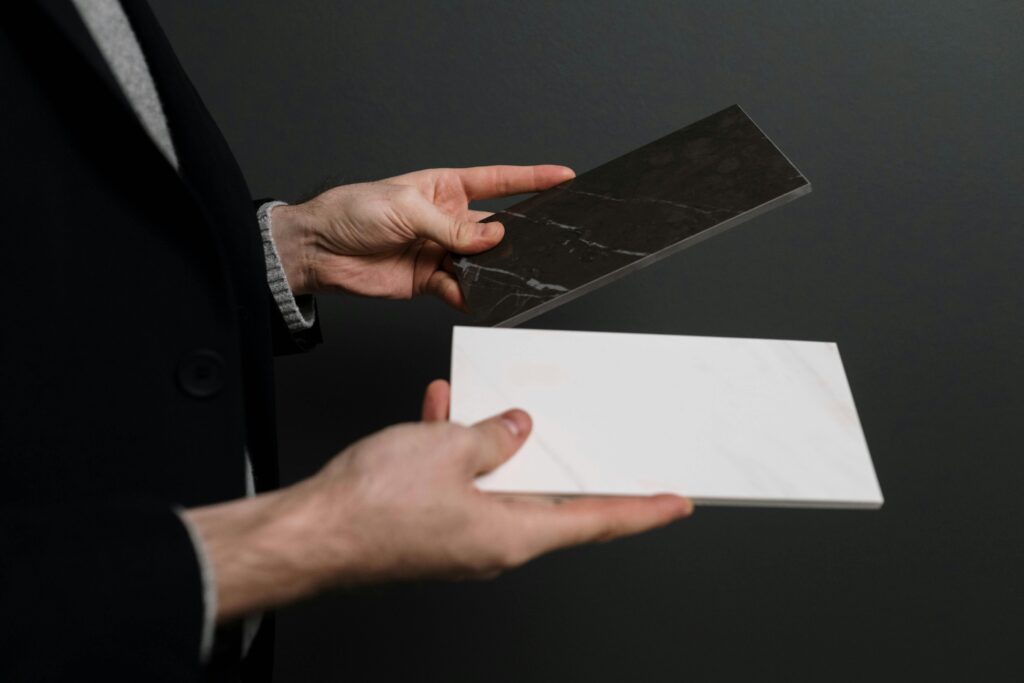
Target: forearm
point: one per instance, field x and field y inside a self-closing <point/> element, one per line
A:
<point x="401" y="504"/>
<point x="261" y="549"/>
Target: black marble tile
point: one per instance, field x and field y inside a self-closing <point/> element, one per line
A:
<point x="627" y="214"/>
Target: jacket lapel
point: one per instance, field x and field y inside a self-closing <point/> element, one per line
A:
<point x="210" y="170"/>
<point x="67" y="19"/>
<point x="193" y="131"/>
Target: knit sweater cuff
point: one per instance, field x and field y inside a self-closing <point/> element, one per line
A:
<point x="298" y="312"/>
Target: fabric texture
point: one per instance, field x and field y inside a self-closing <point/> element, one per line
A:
<point x="298" y="312"/>
<point x="115" y="38"/>
<point x="110" y="28"/>
<point x="113" y="34"/>
<point x="117" y="410"/>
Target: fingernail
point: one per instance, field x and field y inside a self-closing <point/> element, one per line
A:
<point x="515" y="421"/>
<point x="681" y="506"/>
<point x="685" y="506"/>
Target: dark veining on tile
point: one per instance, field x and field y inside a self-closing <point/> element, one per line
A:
<point x="626" y="214"/>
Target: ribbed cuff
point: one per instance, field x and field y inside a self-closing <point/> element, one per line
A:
<point x="298" y="312"/>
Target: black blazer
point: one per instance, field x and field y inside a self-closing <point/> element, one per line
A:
<point x="135" y="355"/>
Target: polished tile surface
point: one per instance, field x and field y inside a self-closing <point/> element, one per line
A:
<point x="627" y="214"/>
<point x="725" y="421"/>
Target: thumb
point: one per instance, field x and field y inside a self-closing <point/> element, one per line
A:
<point x="461" y="236"/>
<point x="497" y="439"/>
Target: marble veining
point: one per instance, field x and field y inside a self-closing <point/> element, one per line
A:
<point x="725" y="421"/>
<point x="626" y="214"/>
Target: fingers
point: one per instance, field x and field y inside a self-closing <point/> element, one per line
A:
<point x="445" y="287"/>
<point x="498" y="438"/>
<point x="485" y="182"/>
<point x="586" y="520"/>
<point x="476" y="231"/>
<point x="434" y="273"/>
<point x="455" y="234"/>
<point x="436" y="401"/>
<point x="447" y="264"/>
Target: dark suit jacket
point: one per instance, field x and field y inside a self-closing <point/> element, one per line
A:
<point x="135" y="355"/>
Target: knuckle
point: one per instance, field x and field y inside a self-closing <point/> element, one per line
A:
<point x="457" y="229"/>
<point x="494" y="430"/>
<point x="495" y="552"/>
<point x="405" y="193"/>
<point x="402" y="198"/>
<point x="510" y="552"/>
<point x="515" y="554"/>
<point x="428" y="437"/>
<point x="459" y="438"/>
<point x="500" y="180"/>
<point x="455" y="440"/>
<point x="497" y="558"/>
<point x="608" y="532"/>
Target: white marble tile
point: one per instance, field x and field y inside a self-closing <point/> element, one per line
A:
<point x="722" y="420"/>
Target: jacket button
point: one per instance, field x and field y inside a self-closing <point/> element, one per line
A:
<point x="201" y="373"/>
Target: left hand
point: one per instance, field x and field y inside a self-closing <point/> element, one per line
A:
<point x="402" y="504"/>
<point x="391" y="238"/>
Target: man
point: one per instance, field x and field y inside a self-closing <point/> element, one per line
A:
<point x="143" y="300"/>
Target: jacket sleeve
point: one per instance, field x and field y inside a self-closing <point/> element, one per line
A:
<point x="96" y="590"/>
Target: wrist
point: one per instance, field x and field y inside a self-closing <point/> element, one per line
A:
<point x="293" y="233"/>
<point x="262" y="551"/>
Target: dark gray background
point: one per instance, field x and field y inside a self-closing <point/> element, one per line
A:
<point x="906" y="116"/>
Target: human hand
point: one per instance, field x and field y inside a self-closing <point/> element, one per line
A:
<point x="391" y="238"/>
<point x="401" y="504"/>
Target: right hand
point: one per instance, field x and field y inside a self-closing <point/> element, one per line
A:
<point x="390" y="238"/>
<point x="401" y="504"/>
